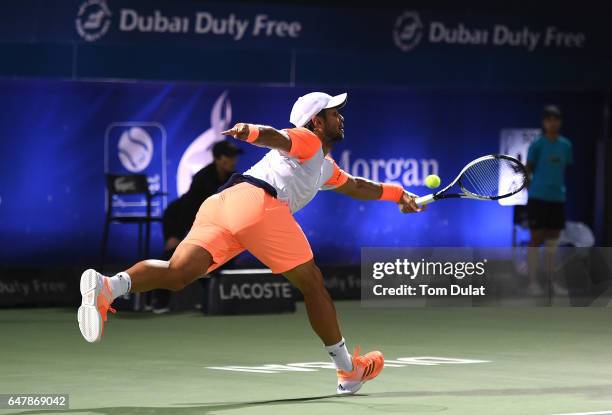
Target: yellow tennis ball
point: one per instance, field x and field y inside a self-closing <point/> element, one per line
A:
<point x="432" y="181"/>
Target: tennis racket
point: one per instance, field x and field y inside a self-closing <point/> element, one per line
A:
<point x="490" y="177"/>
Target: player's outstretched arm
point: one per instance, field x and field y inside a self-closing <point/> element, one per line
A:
<point x="260" y="135"/>
<point x="360" y="188"/>
<point x="364" y="189"/>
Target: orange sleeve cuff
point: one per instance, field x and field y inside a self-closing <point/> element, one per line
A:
<point x="338" y="177"/>
<point x="304" y="143"/>
<point x="391" y="192"/>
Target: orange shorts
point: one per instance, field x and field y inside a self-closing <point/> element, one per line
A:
<point x="245" y="217"/>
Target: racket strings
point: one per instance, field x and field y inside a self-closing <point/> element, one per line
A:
<point x="485" y="178"/>
<point x="482" y="178"/>
<point x="493" y="177"/>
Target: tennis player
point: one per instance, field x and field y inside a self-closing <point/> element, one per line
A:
<point x="254" y="212"/>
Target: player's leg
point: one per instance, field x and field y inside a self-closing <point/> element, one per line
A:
<point x="188" y="263"/>
<point x="207" y="246"/>
<point x="319" y="306"/>
<point x="277" y="240"/>
<point x="352" y="371"/>
<point x="98" y="291"/>
<point x="273" y="236"/>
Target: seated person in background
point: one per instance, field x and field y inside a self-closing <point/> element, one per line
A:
<point x="180" y="214"/>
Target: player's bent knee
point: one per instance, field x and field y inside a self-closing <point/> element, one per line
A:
<point x="188" y="263"/>
<point x="175" y="283"/>
<point x="180" y="276"/>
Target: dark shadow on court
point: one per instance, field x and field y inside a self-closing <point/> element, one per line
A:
<point x="185" y="409"/>
<point x="593" y="391"/>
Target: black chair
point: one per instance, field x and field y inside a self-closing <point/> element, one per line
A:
<point x="129" y="185"/>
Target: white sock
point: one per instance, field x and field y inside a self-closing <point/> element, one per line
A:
<point x="340" y="356"/>
<point x="120" y="284"/>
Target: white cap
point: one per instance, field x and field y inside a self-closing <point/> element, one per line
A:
<point x="311" y="104"/>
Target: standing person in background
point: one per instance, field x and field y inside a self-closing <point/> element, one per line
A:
<point x="181" y="213"/>
<point x="547" y="160"/>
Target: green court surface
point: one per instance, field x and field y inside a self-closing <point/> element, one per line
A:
<point x="538" y="361"/>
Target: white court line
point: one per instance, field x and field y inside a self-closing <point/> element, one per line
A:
<point x="589" y="413"/>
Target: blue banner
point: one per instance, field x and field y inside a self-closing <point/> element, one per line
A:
<point x="291" y="44"/>
<point x="243" y="25"/>
<point x="59" y="138"/>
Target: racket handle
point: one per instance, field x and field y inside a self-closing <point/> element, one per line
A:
<point x="424" y="200"/>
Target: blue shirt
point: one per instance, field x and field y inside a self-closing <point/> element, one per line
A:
<point x="549" y="159"/>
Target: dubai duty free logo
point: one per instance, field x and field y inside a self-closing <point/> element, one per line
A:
<point x="407" y="31"/>
<point x="93" y="20"/>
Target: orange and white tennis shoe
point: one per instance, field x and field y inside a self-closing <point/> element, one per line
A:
<point x="365" y="368"/>
<point x="95" y="304"/>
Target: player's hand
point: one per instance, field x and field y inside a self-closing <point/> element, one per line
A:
<point x="239" y="131"/>
<point x="408" y="205"/>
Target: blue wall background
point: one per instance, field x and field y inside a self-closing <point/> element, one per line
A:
<point x="439" y="100"/>
<point x="52" y="158"/>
